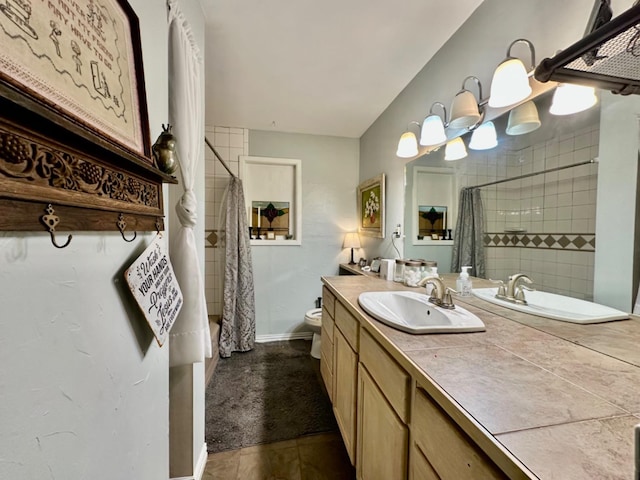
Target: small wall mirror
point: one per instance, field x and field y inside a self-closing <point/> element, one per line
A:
<point x="433" y="205"/>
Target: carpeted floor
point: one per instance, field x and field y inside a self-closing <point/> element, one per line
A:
<point x="269" y="394"/>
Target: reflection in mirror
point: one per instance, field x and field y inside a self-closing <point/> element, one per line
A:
<point x="539" y="196"/>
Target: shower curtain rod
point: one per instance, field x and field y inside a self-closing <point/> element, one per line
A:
<point x="218" y="156"/>
<point x="593" y="160"/>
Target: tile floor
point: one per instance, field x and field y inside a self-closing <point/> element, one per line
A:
<point x="313" y="457"/>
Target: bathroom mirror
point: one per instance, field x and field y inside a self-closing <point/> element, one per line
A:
<point x="539" y="224"/>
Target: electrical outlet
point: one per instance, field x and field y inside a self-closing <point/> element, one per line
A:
<point x="397" y="232"/>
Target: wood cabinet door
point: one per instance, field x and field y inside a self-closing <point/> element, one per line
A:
<point x="345" y="386"/>
<point x="448" y="449"/>
<point x="383" y="439"/>
<point x="419" y="466"/>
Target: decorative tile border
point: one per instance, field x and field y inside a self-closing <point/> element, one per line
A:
<point x="583" y="242"/>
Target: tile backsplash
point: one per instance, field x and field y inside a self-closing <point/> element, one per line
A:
<point x="542" y="225"/>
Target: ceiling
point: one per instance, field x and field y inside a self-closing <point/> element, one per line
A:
<point x="324" y="67"/>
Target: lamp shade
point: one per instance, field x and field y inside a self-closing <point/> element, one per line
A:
<point x="484" y="137"/>
<point x="523" y="119"/>
<point x="510" y="84"/>
<point x="351" y="240"/>
<point x="432" y="132"/>
<point x="407" y="146"/>
<point x="455" y="149"/>
<point x="464" y="110"/>
<point x="569" y="98"/>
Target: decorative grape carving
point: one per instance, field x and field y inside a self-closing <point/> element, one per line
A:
<point x="89" y="172"/>
<point x="13" y="150"/>
<point x="133" y="186"/>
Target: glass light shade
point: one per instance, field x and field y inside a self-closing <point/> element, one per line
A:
<point x="351" y="240"/>
<point x="523" y="119"/>
<point x="455" y="149"/>
<point x="432" y="132"/>
<point x="569" y="98"/>
<point x="464" y="110"/>
<point x="510" y="84"/>
<point x="484" y="137"/>
<point x="408" y="145"/>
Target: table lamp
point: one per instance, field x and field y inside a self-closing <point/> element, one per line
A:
<point x="351" y="240"/>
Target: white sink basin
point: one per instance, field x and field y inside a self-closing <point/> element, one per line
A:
<point x="411" y="312"/>
<point x="556" y="307"/>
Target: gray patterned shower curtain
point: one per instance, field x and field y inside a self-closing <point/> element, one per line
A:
<point x="238" y="326"/>
<point x="468" y="242"/>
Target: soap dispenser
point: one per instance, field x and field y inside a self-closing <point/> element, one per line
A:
<point x="463" y="283"/>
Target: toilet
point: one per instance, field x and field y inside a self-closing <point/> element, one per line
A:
<point x="313" y="320"/>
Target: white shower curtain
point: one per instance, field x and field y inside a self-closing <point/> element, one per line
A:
<point x="189" y="340"/>
<point x="238" y="326"/>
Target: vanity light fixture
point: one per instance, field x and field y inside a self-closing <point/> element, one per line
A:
<point x="465" y="112"/>
<point x="570" y="98"/>
<point x="523" y="119"/>
<point x="408" y="144"/>
<point x="484" y="137"/>
<point x="432" y="133"/>
<point x="510" y="82"/>
<point x="455" y="149"/>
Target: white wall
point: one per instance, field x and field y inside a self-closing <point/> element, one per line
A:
<point x="83" y="383"/>
<point x="287" y="278"/>
<point x="475" y="49"/>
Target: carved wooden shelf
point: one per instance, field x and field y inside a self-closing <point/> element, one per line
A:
<point x="88" y="185"/>
<point x="74" y="130"/>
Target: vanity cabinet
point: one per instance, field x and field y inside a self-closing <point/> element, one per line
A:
<point x="345" y="376"/>
<point x="392" y="429"/>
<point x="441" y="450"/>
<point x="383" y="407"/>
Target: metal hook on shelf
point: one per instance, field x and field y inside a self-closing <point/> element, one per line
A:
<point x="122" y="225"/>
<point x="50" y="220"/>
<point x="159" y="224"/>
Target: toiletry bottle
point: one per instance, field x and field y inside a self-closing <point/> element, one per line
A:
<point x="463" y="283"/>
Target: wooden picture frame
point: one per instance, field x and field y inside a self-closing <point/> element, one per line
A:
<point x="371" y="207"/>
<point x="81" y="67"/>
<point x="74" y="127"/>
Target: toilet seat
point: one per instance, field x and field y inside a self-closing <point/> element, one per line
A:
<point x="313" y="318"/>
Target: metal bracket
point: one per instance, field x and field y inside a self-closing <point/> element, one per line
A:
<point x="50" y="220"/>
<point x="122" y="225"/>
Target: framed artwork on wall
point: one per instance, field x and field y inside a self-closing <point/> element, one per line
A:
<point x="74" y="126"/>
<point x="371" y="205"/>
<point x="79" y="65"/>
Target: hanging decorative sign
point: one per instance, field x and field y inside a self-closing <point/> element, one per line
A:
<point x="155" y="288"/>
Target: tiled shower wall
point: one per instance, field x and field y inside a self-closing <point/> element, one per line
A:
<point x="230" y="143"/>
<point x="542" y="225"/>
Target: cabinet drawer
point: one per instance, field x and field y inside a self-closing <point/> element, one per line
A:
<point x="348" y="325"/>
<point x="450" y="452"/>
<point x="328" y="301"/>
<point x="390" y="377"/>
<point x="327" y="324"/>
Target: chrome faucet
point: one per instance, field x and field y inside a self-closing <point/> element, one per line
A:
<point x="514" y="291"/>
<point x="441" y="294"/>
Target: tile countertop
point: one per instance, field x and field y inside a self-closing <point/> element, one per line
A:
<point x="557" y="399"/>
